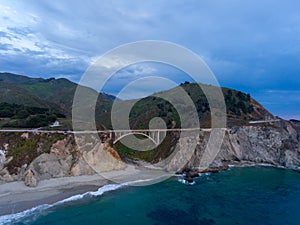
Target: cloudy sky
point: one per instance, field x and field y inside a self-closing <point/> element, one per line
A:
<point x="253" y="46"/>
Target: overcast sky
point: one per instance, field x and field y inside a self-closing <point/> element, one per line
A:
<point x="253" y="46"/>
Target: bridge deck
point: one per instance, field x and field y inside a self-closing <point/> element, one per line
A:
<point x="263" y="121"/>
<point x="101" y="131"/>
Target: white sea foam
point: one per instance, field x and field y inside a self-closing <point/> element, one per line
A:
<point x="100" y="191"/>
<point x="183" y="181"/>
<point x="177" y="175"/>
<point x="33" y="213"/>
<point x="13" y="218"/>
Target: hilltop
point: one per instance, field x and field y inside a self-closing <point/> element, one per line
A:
<point x="240" y="107"/>
<point x="48" y="96"/>
<point x="36" y="102"/>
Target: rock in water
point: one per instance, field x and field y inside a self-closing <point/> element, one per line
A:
<point x="189" y="179"/>
<point x="30" y="179"/>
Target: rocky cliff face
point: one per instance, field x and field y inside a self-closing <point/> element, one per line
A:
<point x="276" y="144"/>
<point x="65" y="158"/>
<point x="68" y="159"/>
<point x="272" y="144"/>
<point x="30" y="178"/>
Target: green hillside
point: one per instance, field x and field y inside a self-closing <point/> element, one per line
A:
<point x="240" y="108"/>
<point x="56" y="97"/>
<point x="13" y="93"/>
<point x="35" y="102"/>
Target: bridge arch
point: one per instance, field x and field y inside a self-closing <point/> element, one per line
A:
<point x="132" y="133"/>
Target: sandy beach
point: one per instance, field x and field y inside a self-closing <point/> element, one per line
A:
<point x="16" y="197"/>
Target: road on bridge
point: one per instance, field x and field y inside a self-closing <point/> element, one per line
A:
<point x="98" y="131"/>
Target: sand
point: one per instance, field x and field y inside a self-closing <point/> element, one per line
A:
<point x="16" y="197"/>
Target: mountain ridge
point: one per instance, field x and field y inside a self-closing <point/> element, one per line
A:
<point x="57" y="95"/>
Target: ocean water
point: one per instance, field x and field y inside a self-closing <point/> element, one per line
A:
<point x="252" y="195"/>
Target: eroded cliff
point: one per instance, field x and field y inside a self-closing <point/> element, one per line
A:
<point x="276" y="144"/>
<point x="61" y="156"/>
<point x="64" y="158"/>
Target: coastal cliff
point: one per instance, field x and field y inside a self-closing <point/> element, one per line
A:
<point x="276" y="144"/>
<point x="64" y="157"/>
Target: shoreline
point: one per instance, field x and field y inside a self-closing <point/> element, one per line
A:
<point x="15" y="197"/>
<point x="190" y="174"/>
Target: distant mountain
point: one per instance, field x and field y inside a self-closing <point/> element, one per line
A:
<point x="18" y="94"/>
<point x="18" y="79"/>
<point x="56" y="95"/>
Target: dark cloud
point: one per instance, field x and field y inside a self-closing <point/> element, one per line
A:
<point x="250" y="45"/>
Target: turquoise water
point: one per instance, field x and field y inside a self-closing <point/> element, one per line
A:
<point x="237" y="196"/>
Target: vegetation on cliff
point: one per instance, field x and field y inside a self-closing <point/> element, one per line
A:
<point x="24" y="149"/>
<point x="154" y="155"/>
<point x="53" y="95"/>
<point x="25" y="116"/>
<point x="239" y="108"/>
